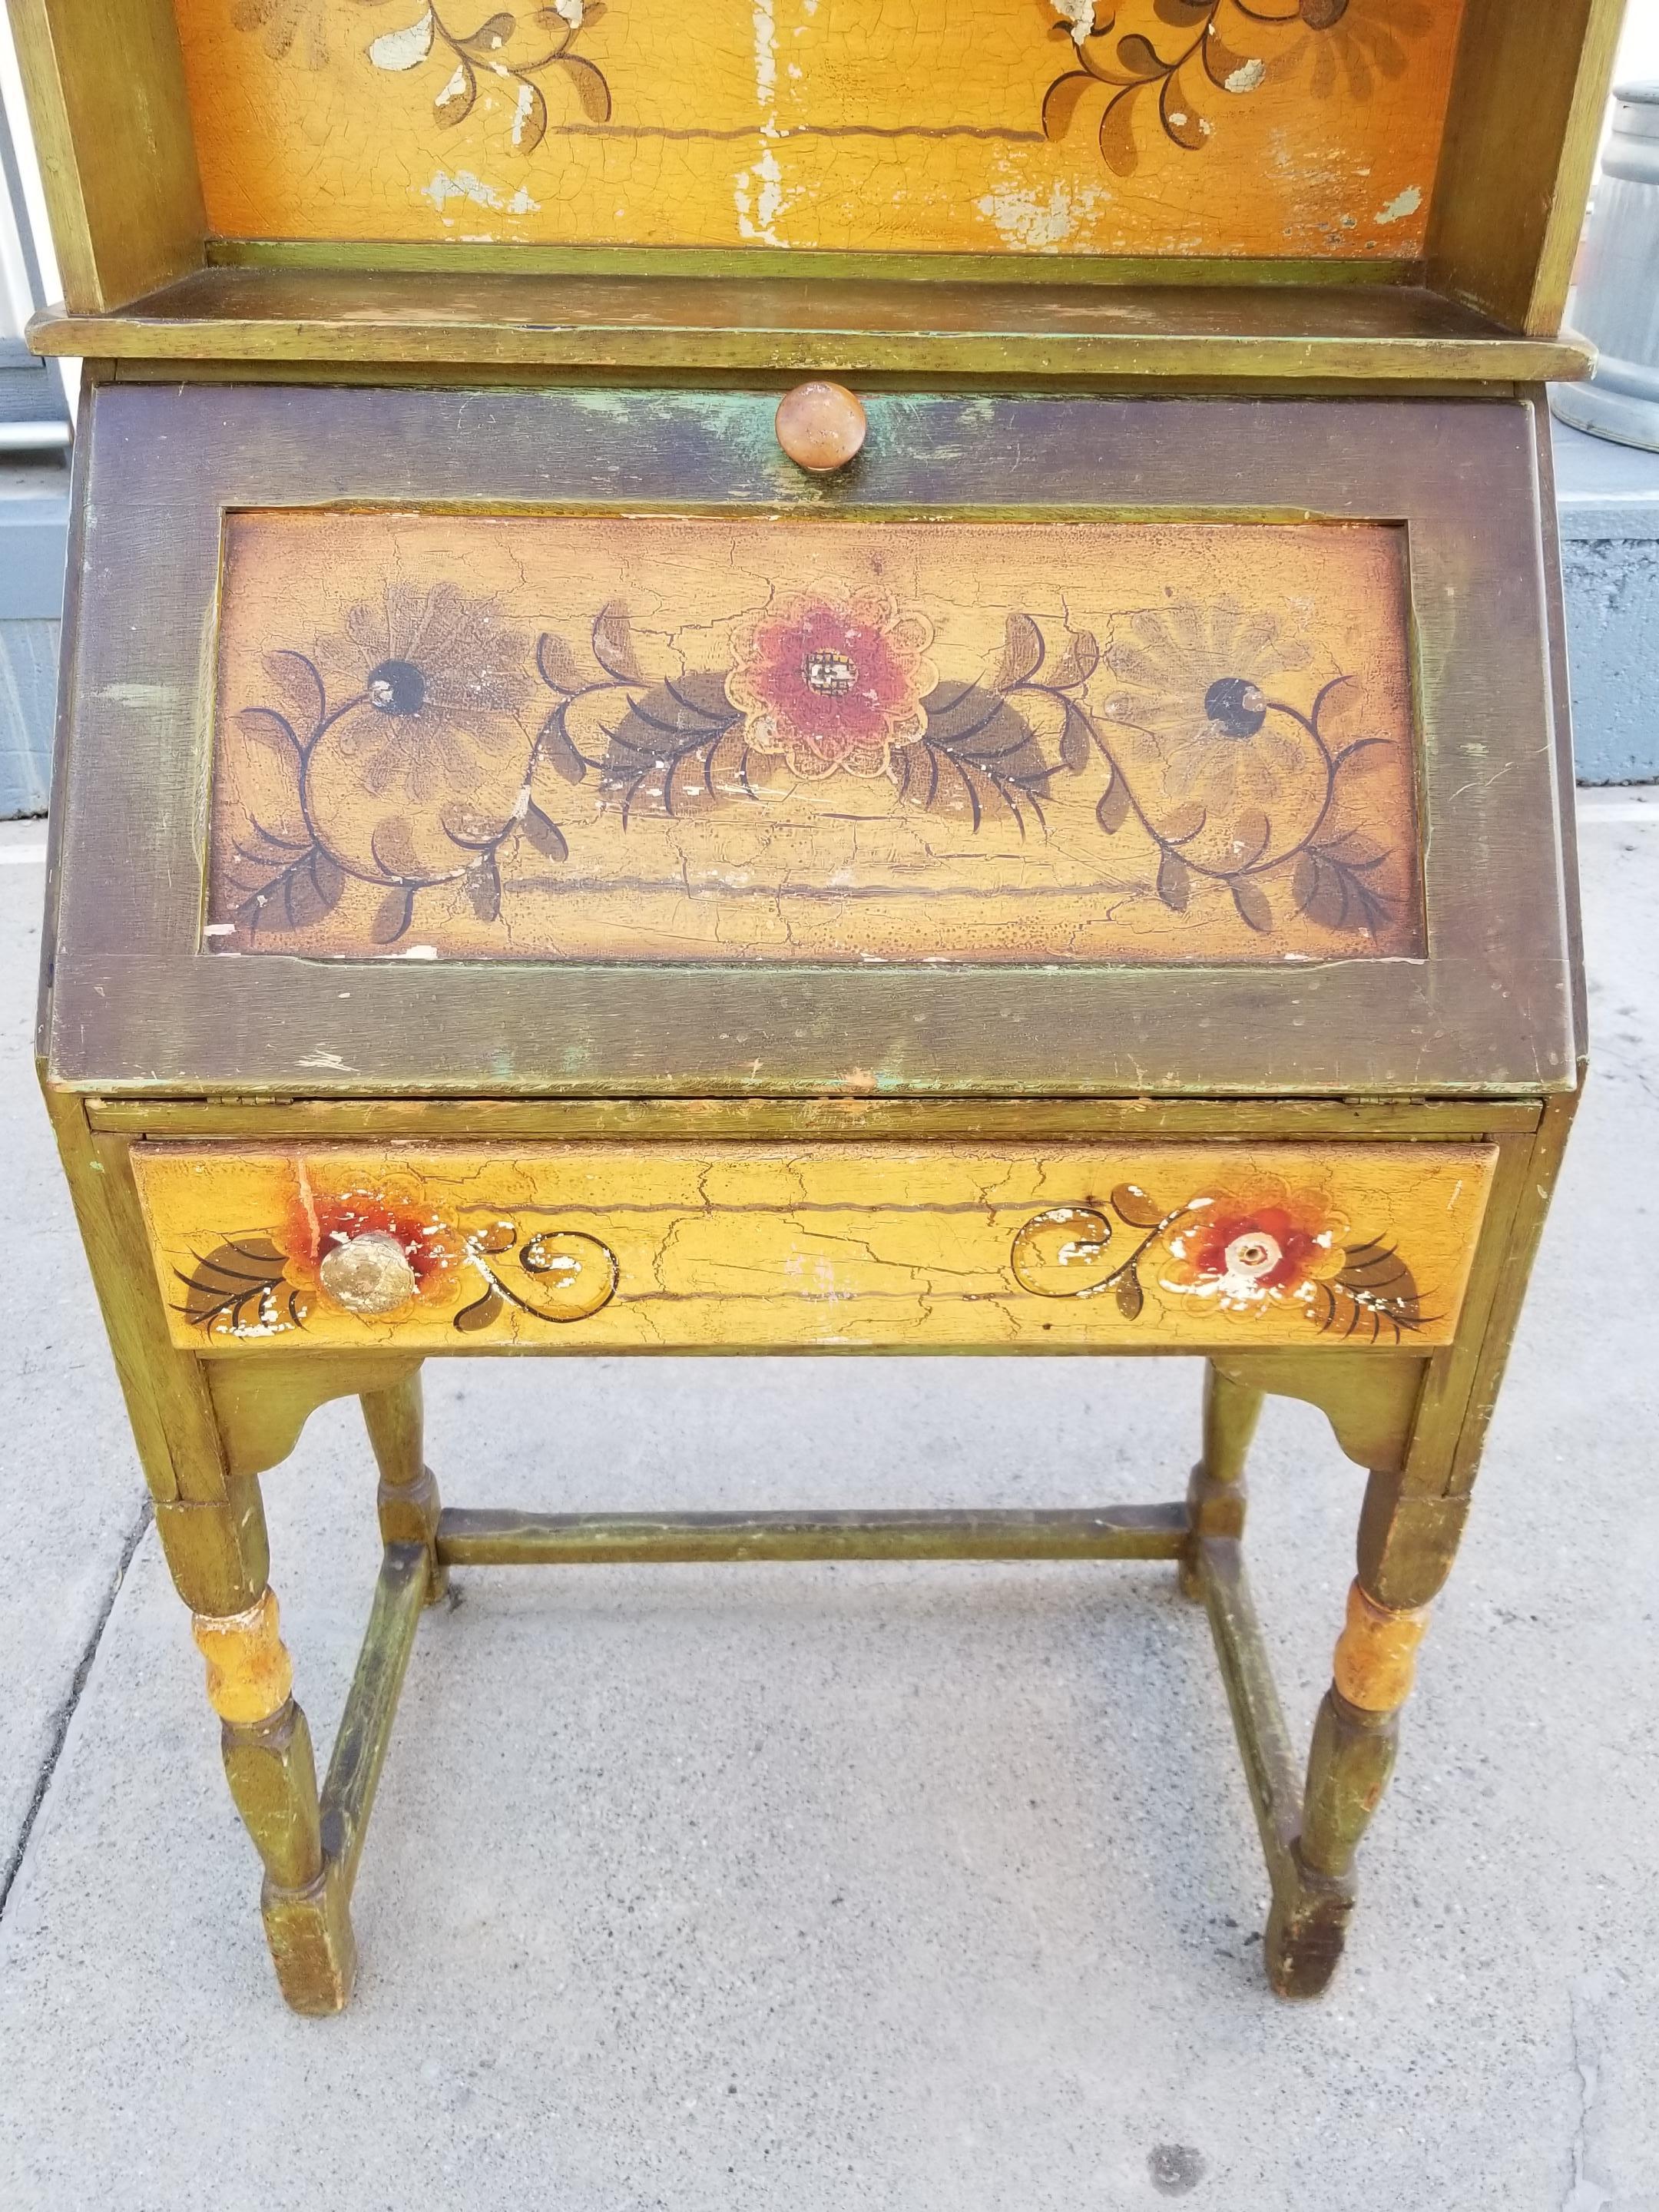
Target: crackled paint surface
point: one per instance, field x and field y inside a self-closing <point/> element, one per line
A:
<point x="1190" y="126"/>
<point x="619" y="1247"/>
<point x="661" y="740"/>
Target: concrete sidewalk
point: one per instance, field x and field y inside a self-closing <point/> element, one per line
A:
<point x="928" y="1889"/>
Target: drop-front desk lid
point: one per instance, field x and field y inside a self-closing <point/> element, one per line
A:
<point x="494" y="742"/>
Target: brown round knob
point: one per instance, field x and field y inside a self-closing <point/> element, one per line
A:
<point x="822" y="426"/>
<point x="369" y="1274"/>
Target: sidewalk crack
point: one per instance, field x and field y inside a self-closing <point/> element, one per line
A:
<point x="65" y="1713"/>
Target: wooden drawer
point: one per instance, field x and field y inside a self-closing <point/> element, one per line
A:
<point x="612" y="1247"/>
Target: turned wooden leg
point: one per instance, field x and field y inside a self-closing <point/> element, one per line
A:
<point x="1215" y="1495"/>
<point x="218" y="1557"/>
<point x="408" y="1498"/>
<point x="1405" y="1555"/>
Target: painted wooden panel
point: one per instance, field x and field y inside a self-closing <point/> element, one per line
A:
<point x="645" y="1247"/>
<point x="1019" y="126"/>
<point x="754" y="740"/>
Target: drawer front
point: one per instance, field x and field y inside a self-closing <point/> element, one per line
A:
<point x="578" y="744"/>
<point x="613" y="1248"/>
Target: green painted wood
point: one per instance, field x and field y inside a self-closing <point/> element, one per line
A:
<point x="136" y="1007"/>
<point x="479" y="1538"/>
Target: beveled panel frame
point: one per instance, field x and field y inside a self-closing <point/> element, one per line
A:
<point x="135" y="1005"/>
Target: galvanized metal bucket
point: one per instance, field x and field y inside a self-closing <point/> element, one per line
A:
<point x="1615" y="302"/>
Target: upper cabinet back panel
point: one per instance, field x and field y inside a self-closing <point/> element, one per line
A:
<point x="1195" y="127"/>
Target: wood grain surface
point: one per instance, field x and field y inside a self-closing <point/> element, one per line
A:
<point x="631" y="1248"/>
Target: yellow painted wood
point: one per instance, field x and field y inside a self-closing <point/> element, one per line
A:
<point x="250" y="1675"/>
<point x="107" y="102"/>
<point x="594" y="1248"/>
<point x="664" y="739"/>
<point x="828" y="123"/>
<point x="1375" y="1660"/>
<point x="852" y="1120"/>
<point x="1520" y="152"/>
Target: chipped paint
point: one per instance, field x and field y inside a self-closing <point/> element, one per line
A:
<point x="464" y="185"/>
<point x="1033" y="222"/>
<point x="1401" y="206"/>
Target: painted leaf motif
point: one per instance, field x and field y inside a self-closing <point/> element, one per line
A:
<point x="1113" y="810"/>
<point x="1375" y="1299"/>
<point x="1078" y="662"/>
<point x="1059" y="102"/>
<point x="1022" y="652"/>
<point x="1076" y="745"/>
<point x="405" y="49"/>
<point x="301" y="686"/>
<point x="271" y="729"/>
<point x="490" y="36"/>
<point x="1320" y="891"/>
<point x="556" y="664"/>
<point x="393" y="915"/>
<point x="979" y="758"/>
<point x="1175" y="882"/>
<point x="1130" y="1295"/>
<point x="679" y="746"/>
<point x="544" y="835"/>
<point x="392" y="849"/>
<point x="1251" y="833"/>
<point x="482" y="885"/>
<point x="455" y="102"/>
<point x="591" y="87"/>
<point x="1229" y="71"/>
<point x="528" y="117"/>
<point x="479" y="1315"/>
<point x="1180" y="118"/>
<point x="1251" y="902"/>
<point x="613" y="644"/>
<point x="1132" y="1204"/>
<point x="1117" y="140"/>
<point x="295" y="896"/>
<point x="238" y="1285"/>
<point x="1180" y="826"/>
<point x="556" y="745"/>
<point x="1138" y="55"/>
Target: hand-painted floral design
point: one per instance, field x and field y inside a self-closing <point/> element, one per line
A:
<point x="434" y="685"/>
<point x="1195" y="55"/>
<point x="833" y="681"/>
<point x="1348" y="45"/>
<point x="1235" y="784"/>
<point x="398" y="754"/>
<point x="1199" y="680"/>
<point x="323" y="1220"/>
<point x="510" y="52"/>
<point x="1248" y="1249"/>
<point x="268" y="1282"/>
<point x="286" y="26"/>
<point x="405" y="760"/>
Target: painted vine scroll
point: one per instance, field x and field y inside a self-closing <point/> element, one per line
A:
<point x="748" y="739"/>
<point x="1261" y="127"/>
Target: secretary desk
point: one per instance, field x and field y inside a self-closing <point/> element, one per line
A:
<point x="813" y="676"/>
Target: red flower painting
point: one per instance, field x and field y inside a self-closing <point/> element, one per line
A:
<point x="1251" y="1250"/>
<point x="833" y="681"/>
